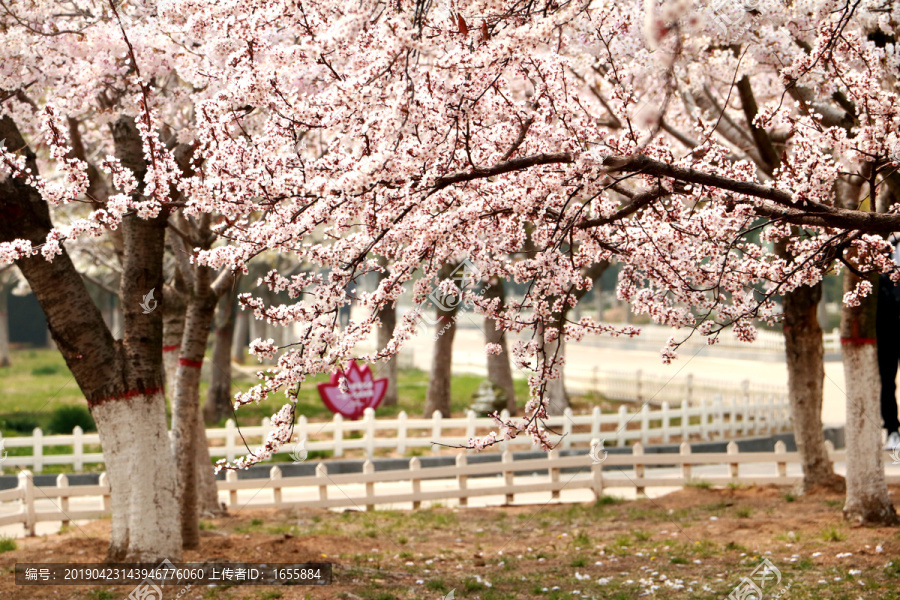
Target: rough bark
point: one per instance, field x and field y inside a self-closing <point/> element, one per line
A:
<point x="388" y="317"/>
<point x="867" y="500"/>
<point x="438" y="395"/>
<point x="499" y="370"/>
<point x="805" y="354"/>
<point x="122" y="381"/>
<point x="173" y="331"/>
<point x="218" y="397"/>
<point x="186" y="419"/>
<point x="4" y="324"/>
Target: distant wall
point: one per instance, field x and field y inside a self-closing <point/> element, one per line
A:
<point x="27" y="323"/>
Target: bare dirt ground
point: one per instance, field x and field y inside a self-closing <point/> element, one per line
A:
<point x="695" y="543"/>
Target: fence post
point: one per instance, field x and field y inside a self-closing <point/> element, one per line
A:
<point x="230" y="430"/>
<point x="719" y="416"/>
<point x="704" y="419"/>
<point x="685" y="450"/>
<point x="745" y="388"/>
<point x="552" y="457"/>
<point x="369" y="469"/>
<point x="231" y="477"/>
<point x="369" y="418"/>
<point x="470" y="424"/>
<point x="645" y="423"/>
<point x="322" y="476"/>
<point x="745" y="417"/>
<point x="77" y="448"/>
<point x="37" y="445"/>
<point x="595" y="421"/>
<point x="415" y="465"/>
<point x="275" y="476"/>
<point x="435" y="430"/>
<point x="401" y="432"/>
<point x="780" y="450"/>
<point x="685" y="421"/>
<point x="732" y="416"/>
<point x="508" y="475"/>
<point x="596" y="471"/>
<point x="107" y="499"/>
<point x="338" y="421"/>
<point x="504" y="416"/>
<point x="638" y="451"/>
<point x="773" y="426"/>
<point x="462" y="480"/>
<point x="732" y="448"/>
<point x="620" y="431"/>
<point x="666" y="421"/>
<point x="26" y="484"/>
<point x="62" y="483"/>
<point x="303" y="427"/>
<point x="638" y="392"/>
<point x="567" y="427"/>
<point x="829" y="449"/>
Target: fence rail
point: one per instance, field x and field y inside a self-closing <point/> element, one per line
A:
<point x="636" y="470"/>
<point x="638" y="386"/>
<point x="715" y="418"/>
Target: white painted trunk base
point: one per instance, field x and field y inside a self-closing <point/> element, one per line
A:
<point x="867" y="492"/>
<point x="146" y="525"/>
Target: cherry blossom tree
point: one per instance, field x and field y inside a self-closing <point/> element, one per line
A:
<point x="395" y="138"/>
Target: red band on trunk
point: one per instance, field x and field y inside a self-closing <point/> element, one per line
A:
<point x="171" y="348"/>
<point x="127" y="395"/>
<point x="190" y="363"/>
<point x="857" y="341"/>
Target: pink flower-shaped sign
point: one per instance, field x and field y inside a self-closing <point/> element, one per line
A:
<point x="364" y="391"/>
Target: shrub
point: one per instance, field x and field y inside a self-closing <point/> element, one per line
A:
<point x="65" y="418"/>
<point x="46" y="370"/>
<point x="20" y="422"/>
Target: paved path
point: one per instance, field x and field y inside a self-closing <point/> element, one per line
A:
<point x="708" y="362"/>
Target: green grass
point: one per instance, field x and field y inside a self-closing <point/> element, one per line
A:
<point x="699" y="484"/>
<point x="7" y="544"/>
<point x="39" y="381"/>
<point x="833" y="534"/>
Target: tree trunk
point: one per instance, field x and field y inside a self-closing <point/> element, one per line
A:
<point x="186" y="404"/>
<point x="805" y="353"/>
<point x="173" y="332"/>
<point x="218" y="398"/>
<point x="868" y="501"/>
<point x="4" y="324"/>
<point x="388" y="317"/>
<point x="498" y="368"/>
<point x="140" y="467"/>
<point x="207" y="491"/>
<point x="438" y="395"/>
<point x="557" y="399"/>
<point x="239" y="343"/>
<point x="122" y="381"/>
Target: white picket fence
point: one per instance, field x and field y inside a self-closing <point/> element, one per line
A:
<point x="766" y="340"/>
<point x="716" y="418"/>
<point x="405" y="486"/>
<point x="636" y="385"/>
